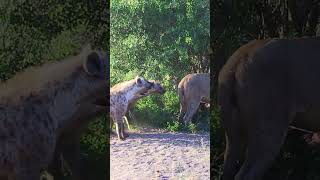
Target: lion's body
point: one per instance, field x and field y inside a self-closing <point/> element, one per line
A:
<point x="193" y="89"/>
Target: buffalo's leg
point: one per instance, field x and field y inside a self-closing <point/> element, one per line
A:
<point x="264" y="142"/>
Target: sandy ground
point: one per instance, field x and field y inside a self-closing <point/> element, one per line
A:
<point x="156" y="155"/>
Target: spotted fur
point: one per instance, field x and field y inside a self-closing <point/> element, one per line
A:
<point x="121" y="95"/>
<point x="156" y="88"/>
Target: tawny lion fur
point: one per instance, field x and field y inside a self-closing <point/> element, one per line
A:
<point x="193" y="89"/>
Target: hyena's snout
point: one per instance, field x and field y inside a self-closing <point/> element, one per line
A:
<point x="161" y="90"/>
<point x="149" y="84"/>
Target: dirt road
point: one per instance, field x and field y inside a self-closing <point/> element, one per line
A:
<point x="160" y="155"/>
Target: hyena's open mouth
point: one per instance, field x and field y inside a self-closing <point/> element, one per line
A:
<point x="143" y="94"/>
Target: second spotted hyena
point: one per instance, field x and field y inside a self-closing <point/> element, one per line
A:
<point x="121" y="95"/>
<point x="156" y="88"/>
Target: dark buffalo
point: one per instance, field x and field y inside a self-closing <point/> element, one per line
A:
<point x="266" y="86"/>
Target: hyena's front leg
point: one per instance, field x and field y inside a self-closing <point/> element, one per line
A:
<point x="125" y="119"/>
<point x="71" y="153"/>
<point x="120" y="128"/>
<point x="55" y="168"/>
<point x="125" y="134"/>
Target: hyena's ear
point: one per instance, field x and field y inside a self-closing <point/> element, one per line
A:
<point x="93" y="65"/>
<point x="138" y="80"/>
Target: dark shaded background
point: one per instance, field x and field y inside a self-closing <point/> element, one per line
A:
<point x="234" y="23"/>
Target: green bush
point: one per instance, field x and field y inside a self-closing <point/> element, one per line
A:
<point x="192" y="127"/>
<point x="174" y="126"/>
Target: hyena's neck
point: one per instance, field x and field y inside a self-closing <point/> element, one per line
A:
<point x="65" y="103"/>
<point x="132" y="93"/>
<point x="129" y="89"/>
<point x="133" y="101"/>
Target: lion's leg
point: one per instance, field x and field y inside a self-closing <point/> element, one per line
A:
<point x="236" y="145"/>
<point x="192" y="109"/>
<point x="265" y="137"/>
<point x="183" y="109"/>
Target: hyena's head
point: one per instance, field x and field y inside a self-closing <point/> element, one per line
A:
<point x="156" y="88"/>
<point x="94" y="84"/>
<point x="139" y="88"/>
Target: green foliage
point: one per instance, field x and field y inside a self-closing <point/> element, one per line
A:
<point x="174" y="126"/>
<point x="34" y="32"/>
<point x="95" y="139"/>
<point x="162" y="40"/>
<point x="217" y="139"/>
<point x="94" y="148"/>
<point x="192" y="127"/>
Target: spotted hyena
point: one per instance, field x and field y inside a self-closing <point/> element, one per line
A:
<point x="156" y="88"/>
<point x="43" y="111"/>
<point x="121" y="95"/>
